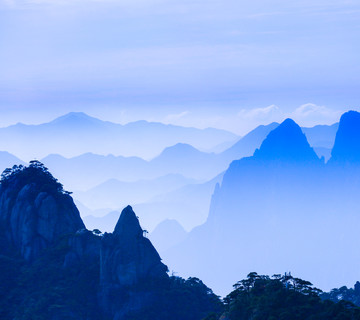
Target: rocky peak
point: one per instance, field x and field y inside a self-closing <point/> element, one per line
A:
<point x="287" y="142"/>
<point x="35" y="211"/>
<point x="127" y="260"/>
<point x="347" y="141"/>
<point x="127" y="255"/>
<point x="128" y="225"/>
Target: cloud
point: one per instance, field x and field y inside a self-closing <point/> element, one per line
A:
<point x="173" y="118"/>
<point x="310" y="114"/>
<point x="266" y="113"/>
<point x="306" y="115"/>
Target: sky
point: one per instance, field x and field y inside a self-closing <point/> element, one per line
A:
<point x="230" y="64"/>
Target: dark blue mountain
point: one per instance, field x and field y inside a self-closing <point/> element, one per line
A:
<point x="286" y="143"/>
<point x="281" y="204"/>
<point x="347" y="142"/>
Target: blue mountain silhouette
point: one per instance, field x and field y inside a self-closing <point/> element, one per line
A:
<point x="347" y="141"/>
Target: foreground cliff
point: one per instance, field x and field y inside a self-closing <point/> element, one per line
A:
<point x="35" y="209"/>
<point x="53" y="268"/>
<point x="128" y="260"/>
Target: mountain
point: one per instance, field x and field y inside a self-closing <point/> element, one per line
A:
<point x="323" y="152"/>
<point x="286" y="143"/>
<point x="89" y="170"/>
<point x="347" y="142"/>
<point x="247" y="145"/>
<point x="77" y="133"/>
<point x="114" y="193"/>
<point x="94" y="179"/>
<point x="270" y="209"/>
<point x="188" y="161"/>
<point x="104" y="224"/>
<point x="127" y="259"/>
<point x="53" y="268"/>
<point x="222" y="146"/>
<point x="321" y="135"/>
<point x="188" y="205"/>
<point x="167" y="234"/>
<point x="36" y="208"/>
<point x="193" y="199"/>
<point x="7" y="160"/>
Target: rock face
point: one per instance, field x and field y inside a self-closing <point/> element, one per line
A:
<point x="35" y="210"/>
<point x="347" y="141"/>
<point x="127" y="260"/>
<point x="84" y="275"/>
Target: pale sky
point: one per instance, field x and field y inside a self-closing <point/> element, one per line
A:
<point x="230" y="64"/>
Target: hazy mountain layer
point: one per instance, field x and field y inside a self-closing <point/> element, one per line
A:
<point x="282" y="208"/>
<point x="77" y="133"/>
<point x="167" y="234"/>
<point x="115" y="194"/>
<point x="188" y="205"/>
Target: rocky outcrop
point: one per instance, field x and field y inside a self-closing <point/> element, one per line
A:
<point x="128" y="260"/>
<point x="83" y="245"/>
<point x="84" y="274"/>
<point x="127" y="256"/>
<point x="35" y="210"/>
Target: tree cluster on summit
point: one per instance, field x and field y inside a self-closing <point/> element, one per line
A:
<point x="36" y="171"/>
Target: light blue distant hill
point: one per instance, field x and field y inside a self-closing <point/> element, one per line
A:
<point x="77" y="133"/>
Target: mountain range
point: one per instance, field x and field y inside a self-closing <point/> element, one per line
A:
<point x="193" y="199"/>
<point x="107" y="183"/>
<point x="76" y="133"/>
<point x="53" y="268"/>
<point x="278" y="205"/>
<point x="115" y="194"/>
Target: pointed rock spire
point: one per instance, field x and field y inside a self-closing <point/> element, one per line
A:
<point x="127" y="255"/>
<point x="128" y="225"/>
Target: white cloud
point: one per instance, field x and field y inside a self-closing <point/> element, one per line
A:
<point x="267" y="113"/>
<point x="310" y="114"/>
<point x="173" y="118"/>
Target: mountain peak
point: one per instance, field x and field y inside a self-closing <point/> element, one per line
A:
<point x="182" y="147"/>
<point x="179" y="150"/>
<point x="347" y="141"/>
<point x="34" y="209"/>
<point x="128" y="225"/>
<point x="286" y="142"/>
<point x="76" y="118"/>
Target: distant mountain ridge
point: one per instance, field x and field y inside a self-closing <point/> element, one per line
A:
<point x="92" y="169"/>
<point x="114" y="193"/>
<point x="77" y="133"/>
